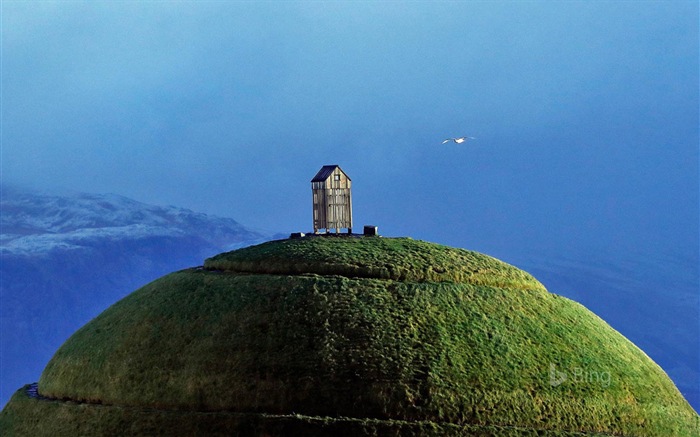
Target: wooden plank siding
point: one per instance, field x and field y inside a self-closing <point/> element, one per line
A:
<point x="332" y="199"/>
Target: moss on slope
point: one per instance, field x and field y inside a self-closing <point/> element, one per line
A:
<point x="399" y="259"/>
<point x="462" y="343"/>
<point x="30" y="417"/>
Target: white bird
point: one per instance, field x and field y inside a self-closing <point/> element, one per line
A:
<point x="459" y="140"/>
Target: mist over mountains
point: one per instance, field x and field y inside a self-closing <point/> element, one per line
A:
<point x="64" y="258"/>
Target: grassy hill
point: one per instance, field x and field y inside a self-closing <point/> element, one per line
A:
<point x="351" y="336"/>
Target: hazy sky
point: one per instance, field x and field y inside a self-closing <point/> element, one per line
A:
<point x="585" y="113"/>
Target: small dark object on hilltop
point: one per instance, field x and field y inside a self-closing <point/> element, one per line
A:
<point x="371" y="231"/>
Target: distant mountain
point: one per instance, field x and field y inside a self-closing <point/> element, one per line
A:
<point x="65" y="258"/>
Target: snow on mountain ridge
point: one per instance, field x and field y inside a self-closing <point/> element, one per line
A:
<point x="44" y="243"/>
<point x="35" y="213"/>
<point x="35" y="221"/>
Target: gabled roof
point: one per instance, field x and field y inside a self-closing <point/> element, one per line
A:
<point x="326" y="171"/>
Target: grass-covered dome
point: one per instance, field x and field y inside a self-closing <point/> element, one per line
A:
<point x="350" y="336"/>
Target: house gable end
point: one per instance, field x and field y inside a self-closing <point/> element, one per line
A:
<point x="326" y="171"/>
<point x="332" y="199"/>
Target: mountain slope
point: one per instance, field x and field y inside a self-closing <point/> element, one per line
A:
<point x="64" y="258"/>
<point x="652" y="298"/>
<point x="402" y="336"/>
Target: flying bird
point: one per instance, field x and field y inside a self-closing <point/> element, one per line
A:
<point x="459" y="140"/>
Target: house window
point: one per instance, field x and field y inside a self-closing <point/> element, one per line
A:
<point x="337" y="177"/>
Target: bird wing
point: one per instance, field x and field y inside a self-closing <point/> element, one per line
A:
<point x="447" y="140"/>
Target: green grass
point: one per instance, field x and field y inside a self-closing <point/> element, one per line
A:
<point x="399" y="259"/>
<point x="25" y="417"/>
<point x="264" y="334"/>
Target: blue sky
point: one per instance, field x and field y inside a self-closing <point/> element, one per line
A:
<point x="585" y="113"/>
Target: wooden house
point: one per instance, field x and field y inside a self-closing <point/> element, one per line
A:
<point x="332" y="201"/>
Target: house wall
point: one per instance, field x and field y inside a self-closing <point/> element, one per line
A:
<point x="332" y="202"/>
